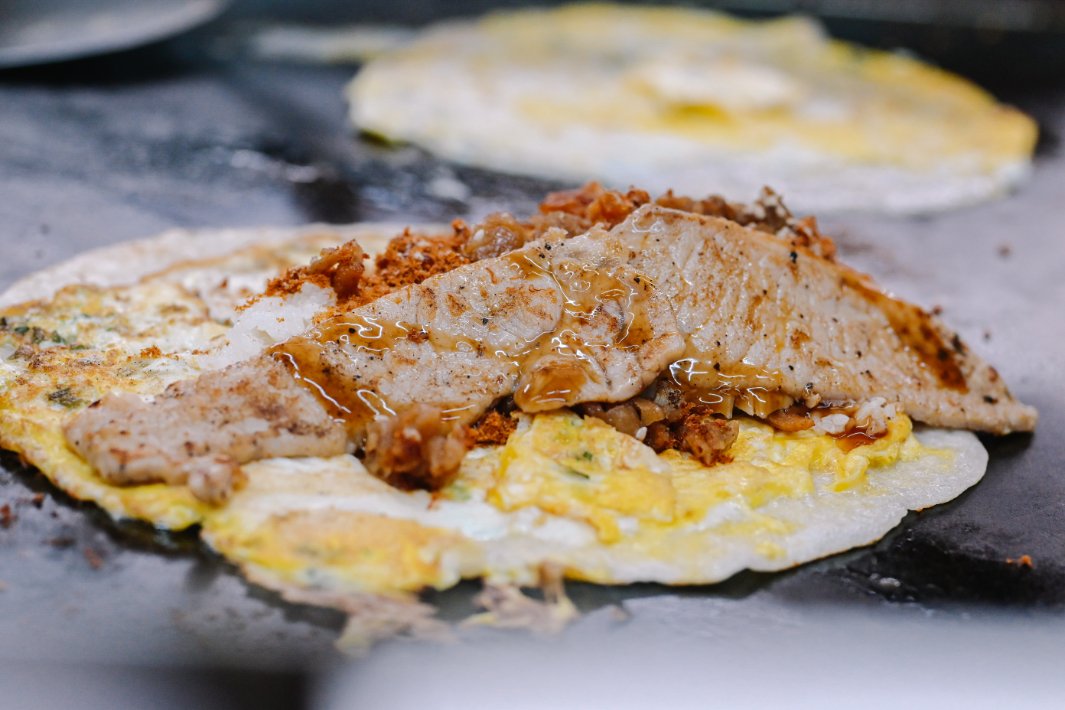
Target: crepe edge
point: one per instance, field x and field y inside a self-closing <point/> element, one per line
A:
<point x="125" y="263"/>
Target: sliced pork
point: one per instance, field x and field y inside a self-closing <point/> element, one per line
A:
<point x="718" y="314"/>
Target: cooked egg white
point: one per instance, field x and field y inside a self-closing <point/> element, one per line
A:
<point x="695" y="101"/>
<point x="577" y="494"/>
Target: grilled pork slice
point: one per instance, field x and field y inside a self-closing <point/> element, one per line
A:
<point x="763" y="317"/>
<point x="199" y="431"/>
<point x="721" y="312"/>
<point x="555" y="323"/>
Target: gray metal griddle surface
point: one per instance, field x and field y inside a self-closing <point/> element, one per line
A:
<point x="119" y="148"/>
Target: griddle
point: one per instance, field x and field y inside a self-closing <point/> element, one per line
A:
<point x="191" y="133"/>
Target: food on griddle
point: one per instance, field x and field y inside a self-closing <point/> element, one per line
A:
<point x="708" y="312"/>
<point x="698" y="101"/>
<point x="616" y="389"/>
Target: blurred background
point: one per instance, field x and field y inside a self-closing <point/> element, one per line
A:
<point x="988" y="40"/>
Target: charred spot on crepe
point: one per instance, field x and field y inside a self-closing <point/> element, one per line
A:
<point x="607" y="314"/>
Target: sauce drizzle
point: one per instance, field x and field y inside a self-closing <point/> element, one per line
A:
<point x="605" y="308"/>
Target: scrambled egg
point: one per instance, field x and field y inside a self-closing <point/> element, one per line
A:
<point x="564" y="490"/>
<point x="584" y="469"/>
<point x="696" y="101"/>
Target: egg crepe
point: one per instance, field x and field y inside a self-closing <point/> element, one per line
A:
<point x="697" y="101"/>
<point x="565" y="495"/>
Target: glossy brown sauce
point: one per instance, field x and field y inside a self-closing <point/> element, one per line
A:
<point x="915" y="329"/>
<point x="851" y="439"/>
<point x="353" y="405"/>
<point x="853" y="436"/>
<point x="550" y="369"/>
<point x="352" y="333"/>
<point x="749" y="388"/>
<point x="554" y="369"/>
